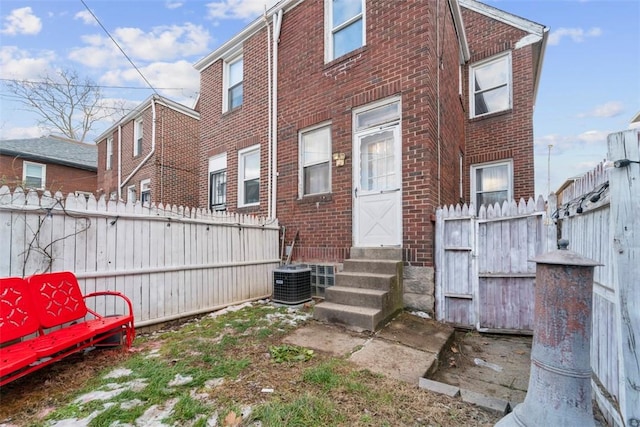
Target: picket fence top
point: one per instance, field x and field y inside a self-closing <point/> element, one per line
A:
<point x="507" y="209"/>
<point x="31" y="200"/>
<point x="586" y="183"/>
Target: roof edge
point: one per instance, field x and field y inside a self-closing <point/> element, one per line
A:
<point x="45" y="159"/>
<point x="143" y="106"/>
<point x="503" y="16"/>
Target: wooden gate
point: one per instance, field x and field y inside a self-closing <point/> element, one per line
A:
<point x="484" y="278"/>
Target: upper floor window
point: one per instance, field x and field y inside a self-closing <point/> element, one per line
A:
<point x="233" y="77"/>
<point x="491" y="183"/>
<point x="490" y="86"/>
<point x="109" y="153"/>
<point x="137" y="137"/>
<point x="34" y="175"/>
<point x="145" y="192"/>
<point x="218" y="183"/>
<point x="315" y="161"/>
<point x="344" y="27"/>
<point x="249" y="176"/>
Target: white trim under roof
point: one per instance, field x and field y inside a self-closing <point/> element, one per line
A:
<point x="236" y="41"/>
<point x="143" y="106"/>
<point x="506" y="17"/>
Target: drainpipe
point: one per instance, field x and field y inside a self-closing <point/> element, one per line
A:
<point x="277" y="21"/>
<point x="438" y="57"/>
<point x="153" y="144"/>
<point x="119" y="162"/>
<point x="269" y="139"/>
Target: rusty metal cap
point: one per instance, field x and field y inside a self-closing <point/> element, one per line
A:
<point x="563" y="256"/>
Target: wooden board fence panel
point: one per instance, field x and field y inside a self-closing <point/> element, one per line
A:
<point x="484" y="278"/>
<point x="171" y="261"/>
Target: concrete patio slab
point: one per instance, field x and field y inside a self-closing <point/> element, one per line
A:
<point x="328" y="338"/>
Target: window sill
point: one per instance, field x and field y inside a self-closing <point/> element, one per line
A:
<point x="491" y="115"/>
<point x="315" y="198"/>
<point x="344" y="58"/>
<point x="230" y="112"/>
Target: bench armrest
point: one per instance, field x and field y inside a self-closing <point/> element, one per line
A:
<point x="109" y="293"/>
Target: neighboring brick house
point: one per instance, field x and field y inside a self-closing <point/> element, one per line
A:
<point x="150" y="155"/>
<point x="365" y="126"/>
<point x="48" y="163"/>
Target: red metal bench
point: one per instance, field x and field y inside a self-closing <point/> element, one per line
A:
<point x="44" y="318"/>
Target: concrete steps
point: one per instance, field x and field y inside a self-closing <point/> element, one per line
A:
<point x="367" y="292"/>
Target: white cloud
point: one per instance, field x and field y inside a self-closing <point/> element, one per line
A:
<point x="608" y="109"/>
<point x="19" y="64"/>
<point x="179" y="75"/>
<point x="161" y="44"/>
<point x="21" y="21"/>
<point x="173" y="4"/>
<point x="594" y="140"/>
<point x="576" y="34"/>
<point x="86" y="17"/>
<point x="22" y="132"/>
<point x="238" y="9"/>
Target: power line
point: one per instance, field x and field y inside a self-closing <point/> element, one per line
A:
<point x="92" y="85"/>
<point x="120" y="48"/>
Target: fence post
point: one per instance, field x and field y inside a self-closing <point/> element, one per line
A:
<point x="625" y="230"/>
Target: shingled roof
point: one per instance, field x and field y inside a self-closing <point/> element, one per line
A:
<point x="53" y="149"/>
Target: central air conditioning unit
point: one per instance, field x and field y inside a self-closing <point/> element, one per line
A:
<point x="292" y="284"/>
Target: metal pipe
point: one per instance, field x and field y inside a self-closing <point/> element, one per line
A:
<point x="559" y="392"/>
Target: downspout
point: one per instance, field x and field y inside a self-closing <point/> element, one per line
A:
<point x="269" y="139"/>
<point x="438" y="57"/>
<point x="277" y="21"/>
<point x="153" y="144"/>
<point x="119" y="162"/>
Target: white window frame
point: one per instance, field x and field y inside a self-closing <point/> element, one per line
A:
<point x="217" y="165"/>
<point x="145" y="188"/>
<point x="474" y="168"/>
<point x="109" y="164"/>
<point x="43" y="175"/>
<point x="242" y="155"/>
<point x="329" y="30"/>
<point x="131" y="194"/>
<point x="302" y="163"/>
<point x="138" y="132"/>
<point x="226" y="81"/>
<point x="509" y="83"/>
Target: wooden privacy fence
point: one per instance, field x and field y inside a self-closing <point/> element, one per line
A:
<point x="484" y="278"/>
<point x="599" y="214"/>
<point x="170" y="261"/>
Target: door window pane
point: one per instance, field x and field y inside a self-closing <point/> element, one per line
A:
<point x="377" y="162"/>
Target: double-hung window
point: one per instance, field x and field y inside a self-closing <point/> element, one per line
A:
<point x="137" y="137"/>
<point x="315" y="161"/>
<point x="491" y="183"/>
<point x="344" y="27"/>
<point x="145" y="192"/>
<point x="34" y="175"/>
<point x="131" y="194"/>
<point x="233" y="78"/>
<point x="249" y="176"/>
<point x="490" y="86"/>
<point x="109" y="153"/>
<point x="218" y="183"/>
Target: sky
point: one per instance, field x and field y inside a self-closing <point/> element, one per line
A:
<point x="589" y="87"/>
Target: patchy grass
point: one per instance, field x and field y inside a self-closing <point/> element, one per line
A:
<point x="231" y="369"/>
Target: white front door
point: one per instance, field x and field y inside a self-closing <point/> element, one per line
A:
<point x="377" y="195"/>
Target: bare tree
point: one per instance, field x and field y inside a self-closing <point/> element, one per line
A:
<point x="66" y="103"/>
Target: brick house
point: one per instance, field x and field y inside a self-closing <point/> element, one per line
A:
<point x="150" y="155"/>
<point x="50" y="163"/>
<point x="351" y="122"/>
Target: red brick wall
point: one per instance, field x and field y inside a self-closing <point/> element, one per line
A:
<point x="58" y="177"/>
<point x="172" y="168"/>
<point x="507" y="134"/>
<point x="399" y="60"/>
<point x="234" y="130"/>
